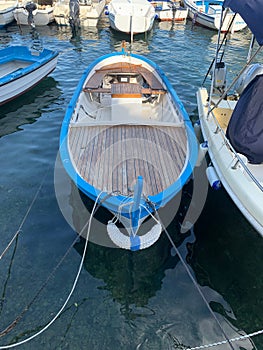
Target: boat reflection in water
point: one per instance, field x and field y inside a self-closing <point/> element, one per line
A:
<point x="150" y="284"/>
<point x="153" y="284"/>
<point x="28" y="107"/>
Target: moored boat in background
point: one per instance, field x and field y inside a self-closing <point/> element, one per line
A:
<point x="78" y="13"/>
<point x="131" y="17"/>
<point x="22" y="68"/>
<point x="7" y="8"/>
<point x="207" y="13"/>
<point x="168" y="10"/>
<point x="35" y="14"/>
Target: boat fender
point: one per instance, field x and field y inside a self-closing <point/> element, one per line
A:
<point x="203" y="147"/>
<point x="197" y="129"/>
<point x="133" y="242"/>
<point x="213" y="178"/>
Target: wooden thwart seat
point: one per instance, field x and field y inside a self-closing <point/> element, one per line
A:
<point x="95" y="81"/>
<point x="122" y="90"/>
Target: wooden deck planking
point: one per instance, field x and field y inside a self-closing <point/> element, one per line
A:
<point x="154" y="170"/>
<point x="164" y="173"/>
<point x="113" y="157"/>
<point x="150" y="178"/>
<point x="167" y="145"/>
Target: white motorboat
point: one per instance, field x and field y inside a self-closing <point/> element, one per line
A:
<point x="231" y="119"/>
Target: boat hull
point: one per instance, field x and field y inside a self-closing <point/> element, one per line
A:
<point x="21" y="70"/>
<point x="169" y="11"/>
<point x="131" y="17"/>
<point x="7" y="12"/>
<point x="232" y="175"/>
<point x="211" y="19"/>
<point x="41" y="17"/>
<point x="89" y="14"/>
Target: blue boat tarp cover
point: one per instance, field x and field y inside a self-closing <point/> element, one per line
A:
<point x="245" y="129"/>
<point x="252" y="13"/>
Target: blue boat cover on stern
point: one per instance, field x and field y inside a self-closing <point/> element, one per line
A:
<point x="245" y="129"/>
<point x="252" y="13"/>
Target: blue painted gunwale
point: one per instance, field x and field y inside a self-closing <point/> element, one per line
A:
<point x="112" y="203"/>
<point x="22" y="53"/>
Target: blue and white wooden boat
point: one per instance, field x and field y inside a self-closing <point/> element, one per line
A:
<point x="207" y="13"/>
<point x="22" y="68"/>
<point x="127" y="141"/>
<point x="7" y="8"/>
<point x="231" y="118"/>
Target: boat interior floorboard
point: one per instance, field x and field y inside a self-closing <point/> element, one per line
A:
<point x="112" y="157"/>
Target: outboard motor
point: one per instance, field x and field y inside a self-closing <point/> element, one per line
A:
<point x="247" y="76"/>
<point x="30" y="8"/>
<point x="220" y="76"/>
<point x="74" y="15"/>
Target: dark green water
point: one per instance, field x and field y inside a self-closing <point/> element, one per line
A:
<point x="123" y="300"/>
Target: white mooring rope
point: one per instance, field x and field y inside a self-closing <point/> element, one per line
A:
<point x="232" y="340"/>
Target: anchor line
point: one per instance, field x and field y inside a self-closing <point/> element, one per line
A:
<point x="19" y="317"/>
<point x="192" y="279"/>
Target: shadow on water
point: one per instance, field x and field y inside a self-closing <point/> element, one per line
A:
<point x="227" y="256"/>
<point x="132" y="278"/>
<point x="28" y="107"/>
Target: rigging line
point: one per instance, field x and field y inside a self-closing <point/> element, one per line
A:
<point x="218" y="49"/>
<point x="71" y="291"/>
<point x="25" y="217"/>
<point x="194" y="281"/>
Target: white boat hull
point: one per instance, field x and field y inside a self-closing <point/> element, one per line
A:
<point x="243" y="191"/>
<point x="131" y="17"/>
<point x="7" y="12"/>
<point x="89" y="14"/>
<point x="41" y="17"/>
<point x="169" y="11"/>
<point x="211" y="19"/>
<point x="17" y="77"/>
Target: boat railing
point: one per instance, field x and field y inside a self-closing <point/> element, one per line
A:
<point x="237" y="157"/>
